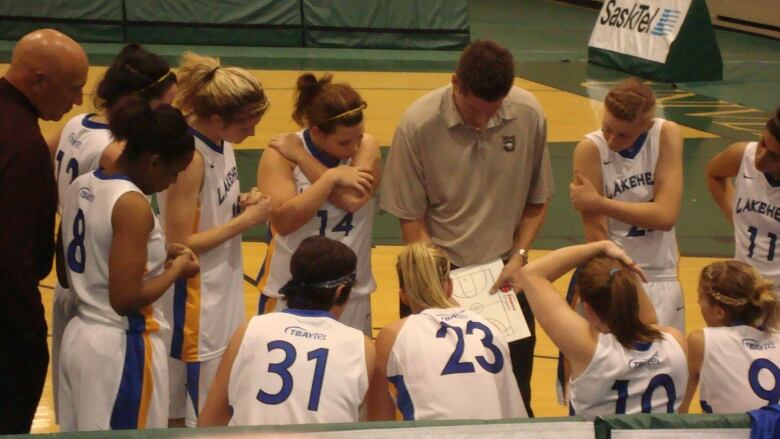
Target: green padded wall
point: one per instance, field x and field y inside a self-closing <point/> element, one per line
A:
<point x="409" y="24"/>
<point x="84" y="20"/>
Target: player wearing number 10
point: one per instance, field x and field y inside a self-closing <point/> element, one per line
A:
<point x="736" y="357"/>
<point x="321" y="181"/>
<point x="752" y="201"/>
<point x="445" y="362"/>
<point x="628" y="187"/>
<point x="620" y="362"/>
<point x="299" y="366"/>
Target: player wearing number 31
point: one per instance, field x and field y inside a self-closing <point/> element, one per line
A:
<point x="445" y="362"/>
<point x="621" y="363"/>
<point x="752" y="201"/>
<point x="628" y="187"/>
<point x="298" y="366"/>
<point x="321" y="182"/>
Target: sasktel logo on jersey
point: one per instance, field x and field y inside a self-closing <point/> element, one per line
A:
<point x="645" y="29"/>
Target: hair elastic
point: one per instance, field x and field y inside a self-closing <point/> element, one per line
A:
<point x="162" y="78"/>
<point x="360" y="108"/>
<point x="612" y="273"/>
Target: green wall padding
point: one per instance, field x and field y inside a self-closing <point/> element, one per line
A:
<point x="410" y="24"/>
<point x="84" y="20"/>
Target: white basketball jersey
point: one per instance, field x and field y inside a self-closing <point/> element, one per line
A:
<point x="81" y="146"/>
<point x="351" y="229"/>
<point x="740" y="370"/>
<point x="452" y="364"/>
<point x="206" y="309"/>
<point x="757" y="217"/>
<point x="629" y="176"/>
<point x="298" y="367"/>
<point x="649" y="379"/>
<point x="87" y="233"/>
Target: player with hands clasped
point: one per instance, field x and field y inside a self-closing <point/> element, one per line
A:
<point x="113" y="368"/>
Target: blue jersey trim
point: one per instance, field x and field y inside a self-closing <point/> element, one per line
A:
<point x="705" y="406"/>
<point x="217" y="148"/>
<point x="193" y="385"/>
<point x="321" y="156"/>
<point x="89" y="123"/>
<point x="642" y="347"/>
<point x="179" y="310"/>
<point x="127" y="405"/>
<point x="633" y="150"/>
<point x="403" y="400"/>
<point x="309" y="313"/>
<point x="101" y="174"/>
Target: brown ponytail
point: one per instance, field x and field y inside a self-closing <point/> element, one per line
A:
<point x="325" y="104"/>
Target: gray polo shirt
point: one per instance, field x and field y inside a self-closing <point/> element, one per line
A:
<point x="470" y="187"/>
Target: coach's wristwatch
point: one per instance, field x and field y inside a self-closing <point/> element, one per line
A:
<point x="523" y="254"/>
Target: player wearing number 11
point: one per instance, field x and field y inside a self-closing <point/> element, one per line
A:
<point x="321" y="181"/>
<point x="752" y="201"/>
<point x="445" y="362"/>
<point x="298" y="366"/>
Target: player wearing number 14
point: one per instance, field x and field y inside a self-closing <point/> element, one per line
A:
<point x="321" y="182"/>
<point x="752" y="201"/>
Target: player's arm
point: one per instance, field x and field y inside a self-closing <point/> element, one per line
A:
<point x="216" y="410"/>
<point x="587" y="164"/>
<point x="291" y="210"/>
<point x="368" y="156"/>
<point x="414" y="230"/>
<point x="370" y="352"/>
<point x="132" y="221"/>
<point x="380" y="404"/>
<point x="720" y="170"/>
<point x="182" y="210"/>
<point x="695" y="359"/>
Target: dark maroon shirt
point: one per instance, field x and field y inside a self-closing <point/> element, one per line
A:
<point x="28" y="201"/>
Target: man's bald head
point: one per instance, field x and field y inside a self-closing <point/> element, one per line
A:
<point x="50" y="69"/>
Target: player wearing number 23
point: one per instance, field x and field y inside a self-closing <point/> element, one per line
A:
<point x="621" y="362"/>
<point x="301" y="365"/>
<point x="736" y="357"/>
<point x="321" y="182"/>
<point x="752" y="201"/>
<point x="444" y="361"/>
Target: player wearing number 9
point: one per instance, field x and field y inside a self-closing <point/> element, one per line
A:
<point x="321" y="181"/>
<point x="621" y="363"/>
<point x="445" y="362"/>
<point x="301" y="365"/>
<point x="113" y="368"/>
<point x="751" y="202"/>
<point x="735" y="358"/>
<point x="628" y="184"/>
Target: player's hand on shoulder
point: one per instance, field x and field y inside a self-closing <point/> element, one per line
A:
<point x="358" y="178"/>
<point x="288" y="145"/>
<point x="583" y="194"/>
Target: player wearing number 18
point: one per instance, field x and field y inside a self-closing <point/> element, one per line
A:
<point x="752" y="201"/>
<point x="736" y="357"/>
<point x="621" y="363"/>
<point x="446" y="362"/>
<point x="321" y="181"/>
<point x="298" y="366"/>
<point x="113" y="367"/>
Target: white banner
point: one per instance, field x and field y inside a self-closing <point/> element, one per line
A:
<point x="640" y="28"/>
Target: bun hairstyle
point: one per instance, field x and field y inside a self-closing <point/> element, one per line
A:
<point x="422" y="270"/>
<point x="134" y="70"/>
<point x="630" y="99"/>
<point x="610" y="288"/>
<point x="319" y="266"/>
<point x="161" y="130"/>
<point x="206" y="89"/>
<point x="747" y="297"/>
<point x="324" y="104"/>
